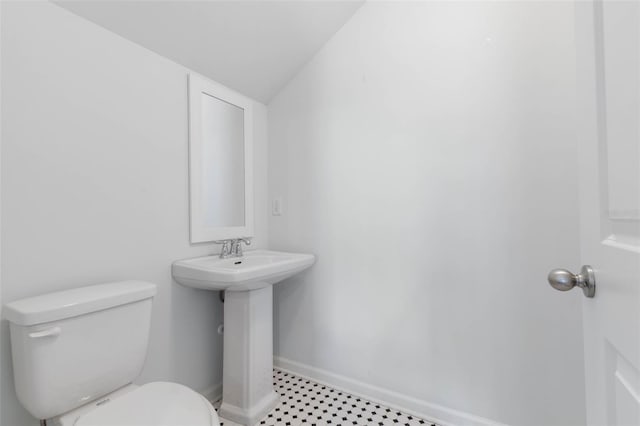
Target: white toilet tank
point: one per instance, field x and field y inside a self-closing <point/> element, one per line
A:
<point x="74" y="346"/>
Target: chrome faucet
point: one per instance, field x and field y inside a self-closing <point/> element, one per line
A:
<point x="232" y="247"/>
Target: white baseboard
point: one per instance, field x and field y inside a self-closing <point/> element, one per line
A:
<point x="213" y="392"/>
<point x="433" y="412"/>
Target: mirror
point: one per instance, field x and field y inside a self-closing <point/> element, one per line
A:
<point x="220" y="136"/>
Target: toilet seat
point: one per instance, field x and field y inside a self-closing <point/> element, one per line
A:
<point x="154" y="404"/>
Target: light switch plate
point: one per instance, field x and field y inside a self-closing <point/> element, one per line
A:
<point x="276" y="207"/>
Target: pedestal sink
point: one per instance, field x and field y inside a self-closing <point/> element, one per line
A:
<point x="247" y="384"/>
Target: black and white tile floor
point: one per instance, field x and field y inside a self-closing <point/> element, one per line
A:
<point x="303" y="402"/>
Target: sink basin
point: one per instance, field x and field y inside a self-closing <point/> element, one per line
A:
<point x="256" y="269"/>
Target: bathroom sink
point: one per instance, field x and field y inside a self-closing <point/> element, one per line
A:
<point x="256" y="269"/>
<point x="248" y="323"/>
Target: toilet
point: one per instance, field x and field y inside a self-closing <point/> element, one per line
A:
<point x="75" y="355"/>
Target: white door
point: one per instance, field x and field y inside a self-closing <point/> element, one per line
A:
<point x="608" y="39"/>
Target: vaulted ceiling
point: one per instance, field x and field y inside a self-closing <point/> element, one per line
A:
<point x="254" y="47"/>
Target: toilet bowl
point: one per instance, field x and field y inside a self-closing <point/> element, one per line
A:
<point x="152" y="404"/>
<point x="76" y="353"/>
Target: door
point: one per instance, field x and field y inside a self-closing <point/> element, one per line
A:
<point x="608" y="59"/>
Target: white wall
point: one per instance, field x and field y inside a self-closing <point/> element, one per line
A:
<point x="95" y="183"/>
<point x="426" y="155"/>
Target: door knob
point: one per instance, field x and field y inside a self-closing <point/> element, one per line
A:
<point x="564" y="280"/>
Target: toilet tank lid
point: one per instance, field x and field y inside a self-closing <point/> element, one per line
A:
<point x="78" y="301"/>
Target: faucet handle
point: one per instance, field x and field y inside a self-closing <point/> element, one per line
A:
<point x="226" y="247"/>
<point x="236" y="245"/>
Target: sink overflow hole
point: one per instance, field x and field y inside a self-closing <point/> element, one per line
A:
<point x="238" y="262"/>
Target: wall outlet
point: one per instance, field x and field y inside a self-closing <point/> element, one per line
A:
<point x="276" y="206"/>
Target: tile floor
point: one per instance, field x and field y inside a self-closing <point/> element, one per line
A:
<point x="303" y="402"/>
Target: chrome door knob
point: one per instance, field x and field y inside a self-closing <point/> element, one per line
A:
<point x="564" y="280"/>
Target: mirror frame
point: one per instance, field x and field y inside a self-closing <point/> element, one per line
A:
<point x="199" y="233"/>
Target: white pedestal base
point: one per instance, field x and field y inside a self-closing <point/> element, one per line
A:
<point x="247" y="373"/>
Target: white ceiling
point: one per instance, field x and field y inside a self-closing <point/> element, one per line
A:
<point x="254" y="47"/>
